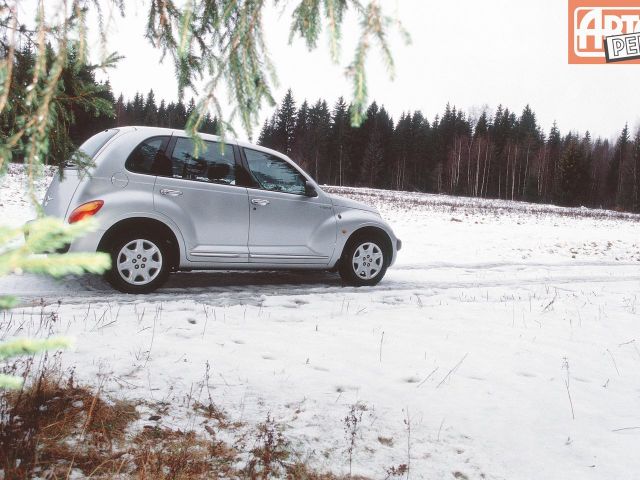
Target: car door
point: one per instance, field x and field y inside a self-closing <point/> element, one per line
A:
<point x="199" y="190"/>
<point x="285" y="225"/>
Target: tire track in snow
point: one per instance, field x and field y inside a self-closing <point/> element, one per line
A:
<point x="228" y="289"/>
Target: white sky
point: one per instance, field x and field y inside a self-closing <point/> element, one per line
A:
<point x="465" y="52"/>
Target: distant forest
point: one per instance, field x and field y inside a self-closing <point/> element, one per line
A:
<point x="502" y="155"/>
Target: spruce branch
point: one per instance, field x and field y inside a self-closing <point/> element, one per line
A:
<point x="9" y="382"/>
<point x="47" y="235"/>
<point x="26" y="346"/>
<point x="220" y="41"/>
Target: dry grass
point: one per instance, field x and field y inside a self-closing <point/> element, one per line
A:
<point x="54" y="428"/>
<point x="211" y="411"/>
<point x="161" y="453"/>
<point x="54" y="425"/>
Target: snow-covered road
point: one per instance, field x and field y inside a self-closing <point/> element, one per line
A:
<point x="506" y="337"/>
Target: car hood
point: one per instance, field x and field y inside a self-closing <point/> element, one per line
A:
<point x="352" y="204"/>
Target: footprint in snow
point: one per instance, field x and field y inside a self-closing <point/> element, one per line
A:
<point x="411" y="380"/>
<point x="344" y="388"/>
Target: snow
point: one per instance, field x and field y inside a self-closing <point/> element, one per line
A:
<point x="498" y="321"/>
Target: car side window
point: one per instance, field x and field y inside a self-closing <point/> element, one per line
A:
<point x="149" y="157"/>
<point x="213" y="163"/>
<point x="274" y="174"/>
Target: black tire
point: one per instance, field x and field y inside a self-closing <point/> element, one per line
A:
<point x="136" y="283"/>
<point x="358" y="273"/>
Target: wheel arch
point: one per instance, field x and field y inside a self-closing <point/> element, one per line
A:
<point x="144" y="224"/>
<point x="369" y="230"/>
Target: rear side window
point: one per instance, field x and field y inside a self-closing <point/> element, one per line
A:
<point x="149" y="157"/>
<point x="91" y="146"/>
<point x="214" y="163"/>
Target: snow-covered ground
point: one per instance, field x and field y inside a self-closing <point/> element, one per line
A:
<point x="505" y="342"/>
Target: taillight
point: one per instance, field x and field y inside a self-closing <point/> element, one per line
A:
<point x="85" y="210"/>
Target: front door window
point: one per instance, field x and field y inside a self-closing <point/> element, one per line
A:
<point x="275" y="174"/>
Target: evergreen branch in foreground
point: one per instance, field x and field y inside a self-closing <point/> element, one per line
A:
<point x="26" y="346"/>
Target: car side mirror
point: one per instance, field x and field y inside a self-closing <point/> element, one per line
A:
<point x="310" y="190"/>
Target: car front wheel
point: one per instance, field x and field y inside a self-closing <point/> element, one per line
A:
<point x="363" y="262"/>
<point x="139" y="263"/>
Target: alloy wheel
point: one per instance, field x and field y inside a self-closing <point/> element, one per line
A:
<point x="367" y="261"/>
<point x="139" y="262"/>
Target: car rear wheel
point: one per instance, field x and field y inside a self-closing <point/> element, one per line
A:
<point x="139" y="263"/>
<point x="363" y="262"/>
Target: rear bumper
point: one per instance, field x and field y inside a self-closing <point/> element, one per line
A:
<point x="86" y="243"/>
<point x="63" y="249"/>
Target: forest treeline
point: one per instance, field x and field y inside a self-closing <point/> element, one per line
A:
<point x="503" y="154"/>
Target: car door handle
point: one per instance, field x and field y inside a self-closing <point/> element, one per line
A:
<point x="260" y="201"/>
<point x="170" y="193"/>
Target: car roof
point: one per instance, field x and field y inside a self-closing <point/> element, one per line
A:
<point x="205" y="136"/>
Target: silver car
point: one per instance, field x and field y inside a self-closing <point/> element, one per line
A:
<point x="165" y="205"/>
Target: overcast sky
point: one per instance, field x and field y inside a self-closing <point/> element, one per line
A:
<point x="465" y="52"/>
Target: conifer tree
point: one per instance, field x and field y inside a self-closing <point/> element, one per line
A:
<point x="191" y="107"/>
<point x="80" y="106"/>
<point x="285" y="124"/>
<point x="179" y="119"/>
<point x="210" y="125"/>
<point x="372" y="150"/>
<point x="386" y="128"/>
<point x="554" y="152"/>
<point x="120" y="111"/>
<point x="318" y="138"/>
<point x="162" y="114"/>
<point x="150" y="112"/>
<point x="265" y="134"/>
<point x="420" y="157"/>
<point x="573" y="176"/>
<point x="339" y="141"/>
<point x="137" y="110"/>
<point x="302" y="150"/>
<point x="618" y="181"/>
<point x="636" y="172"/>
<point x="401" y="144"/>
<point x="372" y="158"/>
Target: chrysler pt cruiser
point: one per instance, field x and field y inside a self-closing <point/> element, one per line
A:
<point x="165" y="204"/>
